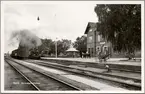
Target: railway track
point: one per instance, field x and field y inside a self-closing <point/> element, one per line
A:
<point x="39" y="80"/>
<point x="24" y="76"/>
<point x="124" y="82"/>
<point x="13" y="79"/>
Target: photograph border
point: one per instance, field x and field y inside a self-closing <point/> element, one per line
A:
<point x="97" y="2"/>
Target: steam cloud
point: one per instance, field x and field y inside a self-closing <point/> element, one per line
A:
<point x="26" y="38"/>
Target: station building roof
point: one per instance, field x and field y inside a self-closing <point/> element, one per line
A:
<point x="90" y="25"/>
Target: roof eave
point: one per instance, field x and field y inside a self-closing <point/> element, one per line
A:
<point x="86" y="31"/>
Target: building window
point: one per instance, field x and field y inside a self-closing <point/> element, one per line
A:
<point x="105" y="47"/>
<point x="98" y="48"/>
<point x="90" y="39"/>
<point x="99" y="38"/>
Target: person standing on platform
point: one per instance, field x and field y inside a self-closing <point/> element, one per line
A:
<point x="100" y="54"/>
<point x="106" y="53"/>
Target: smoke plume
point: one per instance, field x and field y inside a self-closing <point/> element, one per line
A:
<point x="26" y="38"/>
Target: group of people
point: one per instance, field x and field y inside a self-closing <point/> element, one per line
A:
<point x="86" y="55"/>
<point x="102" y="54"/>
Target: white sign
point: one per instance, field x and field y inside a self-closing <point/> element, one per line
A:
<point x="102" y="42"/>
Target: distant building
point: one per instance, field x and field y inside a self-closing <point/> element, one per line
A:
<point x="95" y="40"/>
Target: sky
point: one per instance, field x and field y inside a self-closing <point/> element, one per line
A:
<point x="57" y="20"/>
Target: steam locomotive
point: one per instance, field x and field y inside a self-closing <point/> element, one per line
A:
<point x="24" y="53"/>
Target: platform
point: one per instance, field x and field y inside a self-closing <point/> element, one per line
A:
<point x="114" y="63"/>
<point x="121" y="61"/>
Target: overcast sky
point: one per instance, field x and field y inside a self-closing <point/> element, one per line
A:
<point x="61" y="20"/>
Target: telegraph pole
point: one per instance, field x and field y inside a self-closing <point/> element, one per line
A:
<point x="56" y="37"/>
<point x="56" y="48"/>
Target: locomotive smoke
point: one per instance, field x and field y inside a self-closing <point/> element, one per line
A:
<point x="26" y="39"/>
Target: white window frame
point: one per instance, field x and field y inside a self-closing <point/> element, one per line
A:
<point x="106" y="47"/>
<point x="99" y="38"/>
<point x="90" y="39"/>
<point x="90" y="30"/>
<point x="98" y="47"/>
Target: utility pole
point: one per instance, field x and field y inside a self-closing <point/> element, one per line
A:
<point x="56" y="48"/>
<point x="56" y="37"/>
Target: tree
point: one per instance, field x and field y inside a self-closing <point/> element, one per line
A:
<point x="81" y="44"/>
<point x="49" y="45"/>
<point x="121" y="25"/>
<point x="63" y="45"/>
<point x="45" y="46"/>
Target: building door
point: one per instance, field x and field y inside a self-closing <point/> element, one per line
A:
<point x="89" y="50"/>
<point x="92" y="52"/>
<point x="98" y="49"/>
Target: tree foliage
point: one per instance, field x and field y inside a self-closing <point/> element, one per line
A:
<point x="63" y="45"/>
<point x="49" y="45"/>
<point x="46" y="46"/>
<point x="81" y="44"/>
<point x="121" y="25"/>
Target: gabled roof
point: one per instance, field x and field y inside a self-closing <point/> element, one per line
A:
<point x="72" y="50"/>
<point x="90" y="25"/>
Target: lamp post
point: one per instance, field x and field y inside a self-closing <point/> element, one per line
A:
<point x="56" y="49"/>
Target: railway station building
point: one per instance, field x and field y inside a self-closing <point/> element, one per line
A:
<point x="95" y="40"/>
